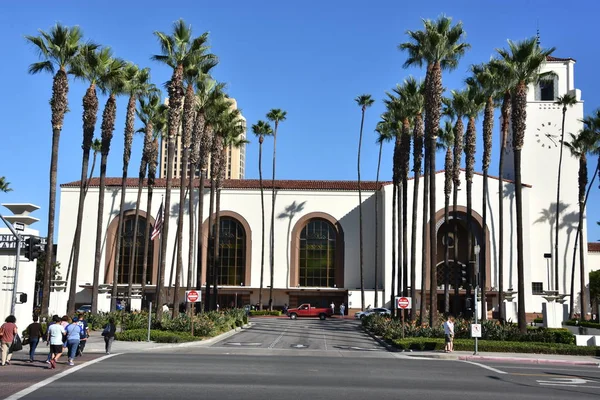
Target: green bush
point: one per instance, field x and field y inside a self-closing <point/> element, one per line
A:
<point x="141" y="335"/>
<point x="496" y="346"/>
<point x="255" y="313"/>
<point x="585" y="324"/>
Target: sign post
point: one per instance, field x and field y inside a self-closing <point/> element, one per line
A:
<point x="149" y="319"/>
<point x="192" y="296"/>
<point x="403" y="303"/>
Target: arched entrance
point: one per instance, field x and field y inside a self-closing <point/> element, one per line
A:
<point x="460" y="272"/>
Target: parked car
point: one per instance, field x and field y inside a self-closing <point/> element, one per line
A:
<point x="380" y="311"/>
<point x="306" y="310"/>
<point x="84" y="309"/>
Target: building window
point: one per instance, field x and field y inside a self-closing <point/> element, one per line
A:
<point x="317" y="254"/>
<point x="537" y="287"/>
<point x="127" y="243"/>
<point x="547" y="90"/>
<point x="232" y="252"/>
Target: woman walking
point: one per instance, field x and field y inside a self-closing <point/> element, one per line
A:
<point x="55" y="337"/>
<point x="73" y="337"/>
<point x="34" y="333"/>
<point x="109" y="334"/>
<point x="8" y="330"/>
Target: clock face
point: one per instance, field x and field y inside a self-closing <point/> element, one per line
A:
<point x="548" y="135"/>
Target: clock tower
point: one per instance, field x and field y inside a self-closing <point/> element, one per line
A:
<point x="539" y="171"/>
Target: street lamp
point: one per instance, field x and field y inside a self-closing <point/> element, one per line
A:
<point x="476" y="249"/>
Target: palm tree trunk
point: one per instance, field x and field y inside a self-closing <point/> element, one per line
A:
<point x="457" y="156"/>
<point x="360" y="217"/>
<point x="200" y="238"/>
<point x="221" y="154"/>
<point x="447" y="191"/>
<point x="262" y="213"/>
<point x="519" y="117"/>
<point x="405" y="169"/>
<point x="488" y="126"/>
<point x="58" y="105"/>
<point x="426" y="160"/>
<point x="393" y="280"/>
<point x="417" y="158"/>
<point x="577" y="236"/>
<point x="377" y="225"/>
<point x="90" y="111"/>
<point x="582" y="250"/>
<point x="506" y="105"/>
<point x="182" y="186"/>
<point x="557" y="218"/>
<point x="272" y="238"/>
<point x="211" y="239"/>
<point x="191" y="220"/>
<point x="152" y="162"/>
<point x="433" y="110"/>
<point x="470" y="146"/>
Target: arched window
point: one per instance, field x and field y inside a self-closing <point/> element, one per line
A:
<point x="317" y="254"/>
<point x="125" y="258"/>
<point x="232" y="248"/>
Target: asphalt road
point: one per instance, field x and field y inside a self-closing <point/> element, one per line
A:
<point x="337" y="362"/>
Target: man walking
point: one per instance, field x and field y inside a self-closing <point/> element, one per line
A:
<point x="332" y="308"/>
<point x="342" y="309"/>
<point x="55" y="337"/>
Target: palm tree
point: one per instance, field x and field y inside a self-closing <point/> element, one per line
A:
<point x="261" y="129"/>
<point x="58" y="50"/>
<point x="4" y="185"/>
<point x="177" y="49"/>
<point x="136" y="85"/>
<point x="475" y="104"/>
<point x="446" y="142"/>
<point x="440" y="46"/>
<point x="384" y="135"/>
<point x="276" y="115"/>
<point x="486" y="79"/>
<point x="582" y="144"/>
<point x="90" y="66"/>
<point x="364" y="101"/>
<point x="152" y="114"/>
<point x="414" y="101"/>
<point x="112" y="85"/>
<point x="567" y="100"/>
<point x="505" y="84"/>
<point x="208" y="94"/>
<point x="523" y="60"/>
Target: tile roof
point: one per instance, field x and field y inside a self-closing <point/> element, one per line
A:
<point x="594" y="247"/>
<point x="246" y="184"/>
<point x="558" y="59"/>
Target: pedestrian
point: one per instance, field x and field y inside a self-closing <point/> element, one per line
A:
<point x="54" y="320"/>
<point x="56" y="332"/>
<point x="449" y="334"/>
<point x="332" y="308"/>
<point x="8" y="330"/>
<point x="165" y="308"/>
<point x="342" y="310"/>
<point x="109" y="334"/>
<point x="64" y="322"/>
<point x="85" y="333"/>
<point x="73" y="337"/>
<point x="35" y="333"/>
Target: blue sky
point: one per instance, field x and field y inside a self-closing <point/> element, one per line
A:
<point x="311" y="58"/>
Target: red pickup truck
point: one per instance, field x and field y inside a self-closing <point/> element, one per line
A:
<point x="306" y="310"/>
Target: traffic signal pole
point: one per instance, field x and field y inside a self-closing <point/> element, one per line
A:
<point x="16" y="279"/>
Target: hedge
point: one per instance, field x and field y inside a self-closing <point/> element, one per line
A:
<point x="141" y="335"/>
<point x="585" y="324"/>
<point x="496" y="346"/>
<point x="255" y="313"/>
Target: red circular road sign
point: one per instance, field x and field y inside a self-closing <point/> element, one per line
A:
<point x="403" y="302"/>
<point x="192" y="296"/>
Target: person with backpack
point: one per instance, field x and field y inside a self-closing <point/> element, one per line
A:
<point x="85" y="333"/>
<point x="109" y="334"/>
<point x="73" y="338"/>
<point x="35" y="333"/>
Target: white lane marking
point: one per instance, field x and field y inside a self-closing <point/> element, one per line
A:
<point x="485" y="366"/>
<point x="56" y="377"/>
<point x="325" y="339"/>
<point x="278" y="338"/>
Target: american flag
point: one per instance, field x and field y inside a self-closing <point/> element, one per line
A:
<point x="158" y="224"/>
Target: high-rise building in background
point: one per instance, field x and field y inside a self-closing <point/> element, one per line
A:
<point x="235" y="162"/>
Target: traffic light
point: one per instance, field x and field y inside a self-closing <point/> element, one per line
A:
<point x="463" y="275"/>
<point x="32" y="248"/>
<point x="22" y="298"/>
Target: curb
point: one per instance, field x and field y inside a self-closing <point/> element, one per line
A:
<point x="528" y="360"/>
<point x="200" y="343"/>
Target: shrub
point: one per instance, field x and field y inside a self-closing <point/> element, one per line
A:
<point x="141" y="335"/>
<point x="585" y="324"/>
<point x="496" y="346"/>
<point x="255" y="313"/>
